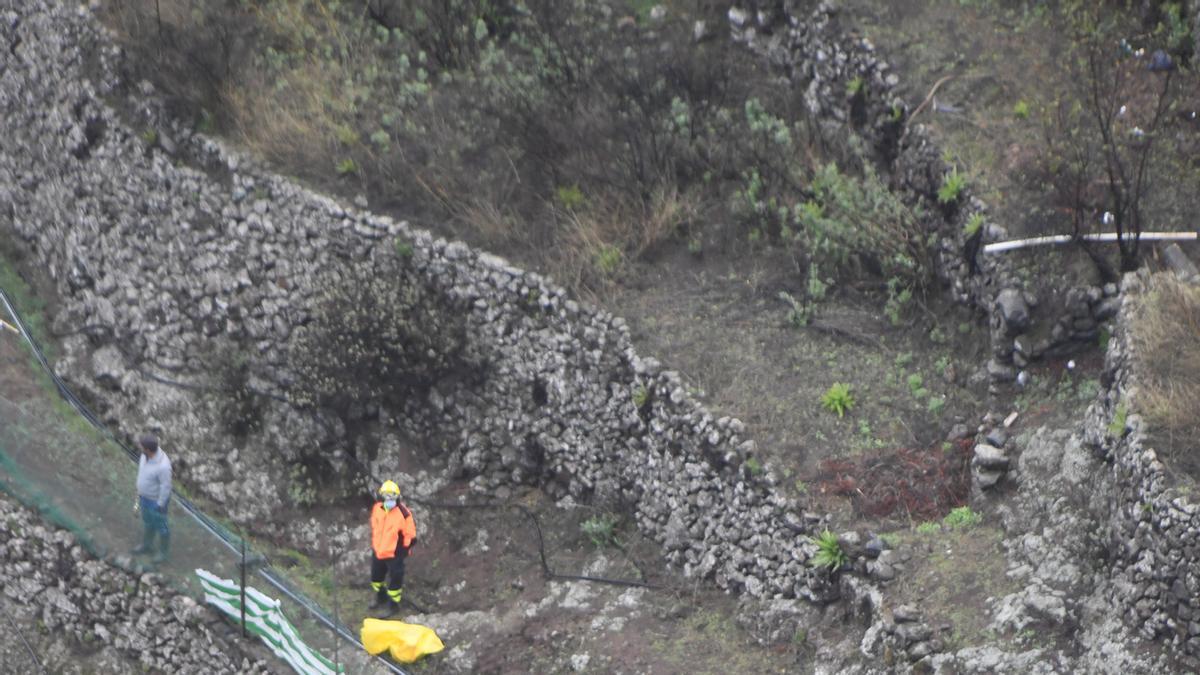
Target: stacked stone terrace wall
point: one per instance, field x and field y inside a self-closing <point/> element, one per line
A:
<point x="162" y="245"/>
<point x="812" y="43"/>
<point x="1154" y="532"/>
<point x="1153" y="528"/>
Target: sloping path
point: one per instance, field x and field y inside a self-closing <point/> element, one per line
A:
<point x="82" y="480"/>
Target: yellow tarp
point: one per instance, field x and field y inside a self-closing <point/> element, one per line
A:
<point x="406" y="642"/>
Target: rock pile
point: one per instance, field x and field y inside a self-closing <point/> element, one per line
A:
<point x="84" y="608"/>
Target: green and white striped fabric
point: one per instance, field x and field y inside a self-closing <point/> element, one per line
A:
<point x="265" y="619"/>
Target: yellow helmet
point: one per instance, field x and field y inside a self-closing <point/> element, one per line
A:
<point x="389" y="489"/>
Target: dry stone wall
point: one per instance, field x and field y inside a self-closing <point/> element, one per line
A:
<point x="162" y="244"/>
<point x="822" y="57"/>
<point x="1153" y="529"/>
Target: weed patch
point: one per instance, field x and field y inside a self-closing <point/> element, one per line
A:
<point x="601" y="530"/>
<point x="838" y="399"/>
<point x="829" y="553"/>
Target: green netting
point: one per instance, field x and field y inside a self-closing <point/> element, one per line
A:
<point x="53" y="460"/>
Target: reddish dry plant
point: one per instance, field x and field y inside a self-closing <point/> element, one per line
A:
<point x="918" y="484"/>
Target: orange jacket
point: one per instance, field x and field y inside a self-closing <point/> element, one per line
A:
<point x="390" y="529"/>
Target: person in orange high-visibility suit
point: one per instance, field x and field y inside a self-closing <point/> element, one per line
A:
<point x="393" y="533"/>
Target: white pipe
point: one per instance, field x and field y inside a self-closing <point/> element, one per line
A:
<point x="1002" y="246"/>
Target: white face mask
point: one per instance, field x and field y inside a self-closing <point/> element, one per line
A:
<point x="389" y="504"/>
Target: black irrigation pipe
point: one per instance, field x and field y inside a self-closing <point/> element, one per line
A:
<point x="207" y="523"/>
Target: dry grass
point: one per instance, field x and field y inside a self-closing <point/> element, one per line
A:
<point x="607" y="232"/>
<point x="1166" y="335"/>
<point x="301" y="112"/>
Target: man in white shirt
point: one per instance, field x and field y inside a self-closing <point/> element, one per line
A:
<point x="154" y="494"/>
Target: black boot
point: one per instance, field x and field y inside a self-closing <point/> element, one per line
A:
<point x="393" y="603"/>
<point x="146" y="546"/>
<point x="390" y="609"/>
<point x="164" y="547"/>
<point x="380" y="599"/>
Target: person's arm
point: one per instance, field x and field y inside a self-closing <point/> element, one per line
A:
<point x="164" y="490"/>
<point x="409" y="532"/>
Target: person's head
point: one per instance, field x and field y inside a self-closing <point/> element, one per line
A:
<point x="389" y="494"/>
<point x="148" y="444"/>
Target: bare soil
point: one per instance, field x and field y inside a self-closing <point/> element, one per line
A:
<point x="718" y="318"/>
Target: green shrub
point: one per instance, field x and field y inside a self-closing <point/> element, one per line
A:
<point x="346" y="135"/>
<point x="952" y="187"/>
<point x="936" y="405"/>
<point x="798" y="314"/>
<point x="915" y="382"/>
<point x="569" y="197"/>
<point x="640" y="396"/>
<point x="346" y="166"/>
<point x="838" y="399"/>
<point x="301" y="489"/>
<point x="1021" y="110"/>
<point x="928" y="527"/>
<point x="816" y="287"/>
<point x="754" y="466"/>
<point x="973" y="225"/>
<point x="608" y="259"/>
<point x="898" y="298"/>
<point x="961" y="517"/>
<point x="601" y="529"/>
<point x="829" y="553"/>
<point x="1175" y="28"/>
<point x="851" y="218"/>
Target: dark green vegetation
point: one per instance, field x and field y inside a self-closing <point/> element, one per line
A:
<point x="573" y="136"/>
<point x="829" y="553"/>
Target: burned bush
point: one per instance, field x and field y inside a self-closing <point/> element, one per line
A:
<point x="377" y="336"/>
